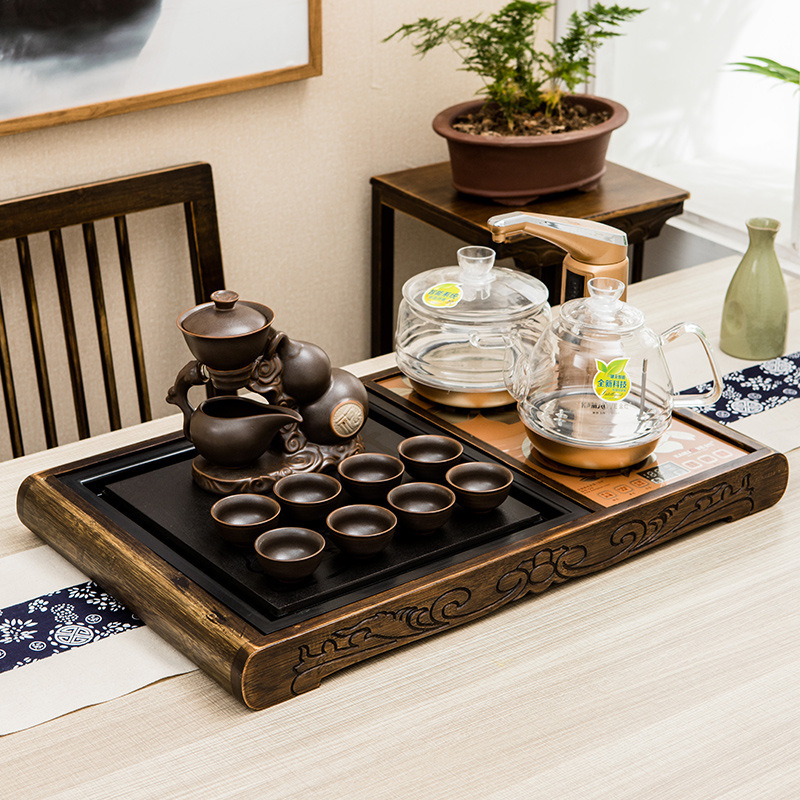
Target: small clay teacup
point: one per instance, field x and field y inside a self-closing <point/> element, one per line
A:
<point x="240" y="518"/>
<point x="289" y="554"/>
<point x="368" y="477"/>
<point x="362" y="530"/>
<point x="422" y="507"/>
<point x="480" y="486"/>
<point x="308" y="496"/>
<point x="429" y="456"/>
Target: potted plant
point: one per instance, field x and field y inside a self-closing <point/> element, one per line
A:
<point x="530" y="135"/>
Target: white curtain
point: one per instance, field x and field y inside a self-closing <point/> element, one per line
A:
<point x="729" y="138"/>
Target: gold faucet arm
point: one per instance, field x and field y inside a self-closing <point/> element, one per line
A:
<point x="588" y="242"/>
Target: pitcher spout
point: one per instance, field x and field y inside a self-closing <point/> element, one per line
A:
<point x="233" y="431"/>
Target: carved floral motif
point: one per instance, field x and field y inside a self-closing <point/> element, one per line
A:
<point x="587" y="553"/>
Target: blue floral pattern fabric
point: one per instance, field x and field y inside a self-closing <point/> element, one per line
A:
<point x="60" y="621"/>
<point x="754" y="389"/>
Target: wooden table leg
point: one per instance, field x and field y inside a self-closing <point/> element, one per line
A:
<point x="637" y="262"/>
<point x="382" y="258"/>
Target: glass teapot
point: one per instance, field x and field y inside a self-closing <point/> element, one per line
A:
<point x="453" y="325"/>
<point x="595" y="391"/>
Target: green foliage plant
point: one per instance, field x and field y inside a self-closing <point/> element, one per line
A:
<point x="501" y="48"/>
<point x="759" y="65"/>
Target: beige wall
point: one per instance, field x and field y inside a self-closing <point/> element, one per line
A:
<point x="292" y="165"/>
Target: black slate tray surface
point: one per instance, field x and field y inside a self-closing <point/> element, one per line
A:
<point x="166" y="502"/>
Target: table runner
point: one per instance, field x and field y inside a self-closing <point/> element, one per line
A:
<point x="61" y="620"/>
<point x="754" y="389"/>
<point x="756" y="401"/>
<point x="74" y="676"/>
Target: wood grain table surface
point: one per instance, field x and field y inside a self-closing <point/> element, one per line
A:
<point x="673" y="675"/>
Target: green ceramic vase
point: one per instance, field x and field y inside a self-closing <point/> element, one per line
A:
<point x="756" y="311"/>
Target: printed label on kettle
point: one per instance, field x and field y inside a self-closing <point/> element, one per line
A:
<point x="611" y="383"/>
<point x="443" y="295"/>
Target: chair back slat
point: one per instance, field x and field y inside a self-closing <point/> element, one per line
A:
<point x="204" y="239"/>
<point x="54" y="215"/>
<point x="132" y="312"/>
<point x="101" y="324"/>
<point x="70" y="334"/>
<point x="37" y="341"/>
<point x="9" y="390"/>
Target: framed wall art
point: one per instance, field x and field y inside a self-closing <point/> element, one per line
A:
<point x="68" y="60"/>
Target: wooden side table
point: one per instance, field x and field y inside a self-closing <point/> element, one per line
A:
<point x="628" y="200"/>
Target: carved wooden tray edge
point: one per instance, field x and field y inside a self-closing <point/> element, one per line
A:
<point x="262" y="670"/>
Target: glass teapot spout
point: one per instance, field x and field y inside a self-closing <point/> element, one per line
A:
<point x="518" y="347"/>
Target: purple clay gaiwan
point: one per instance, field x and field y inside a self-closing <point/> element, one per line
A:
<point x="480" y="486"/>
<point x="362" y="530"/>
<point x="226" y="333"/>
<point x="428" y="457"/>
<point x="289" y="554"/>
<point x="422" y="507"/>
<point x="241" y="518"/>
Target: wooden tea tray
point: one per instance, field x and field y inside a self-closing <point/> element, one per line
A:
<point x="134" y="522"/>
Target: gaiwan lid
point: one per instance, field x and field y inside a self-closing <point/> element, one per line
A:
<point x="475" y="290"/>
<point x="602" y="310"/>
<point x="225" y="317"/>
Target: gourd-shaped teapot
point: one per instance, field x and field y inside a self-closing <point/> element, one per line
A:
<point x="595" y="392"/>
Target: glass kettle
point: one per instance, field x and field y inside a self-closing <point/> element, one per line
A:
<point x="595" y="392"/>
<point x="453" y="325"/>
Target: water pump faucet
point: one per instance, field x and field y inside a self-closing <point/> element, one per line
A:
<point x="593" y="248"/>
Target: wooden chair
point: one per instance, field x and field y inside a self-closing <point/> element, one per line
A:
<point x="51" y="213"/>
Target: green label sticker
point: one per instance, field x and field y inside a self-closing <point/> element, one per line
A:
<point x="611" y="382"/>
<point x="443" y="295"/>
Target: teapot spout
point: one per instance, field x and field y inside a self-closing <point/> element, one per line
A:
<point x="517" y="346"/>
<point x="273" y="418"/>
<point x="516" y="373"/>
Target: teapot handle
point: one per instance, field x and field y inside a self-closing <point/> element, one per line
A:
<point x="715" y="392"/>
<point x="192" y="374"/>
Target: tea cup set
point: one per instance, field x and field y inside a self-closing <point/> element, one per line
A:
<point x="360" y="508"/>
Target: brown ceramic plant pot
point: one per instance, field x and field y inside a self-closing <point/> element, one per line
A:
<point x="515" y="170"/>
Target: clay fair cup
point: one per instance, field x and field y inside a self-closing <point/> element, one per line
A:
<point x="429" y="456"/>
<point x="368" y="477"/>
<point x="308" y="496"/>
<point x="289" y="554"/>
<point x="480" y="486"/>
<point x="362" y="530"/>
<point x="241" y="518"/>
<point x="422" y="507"/>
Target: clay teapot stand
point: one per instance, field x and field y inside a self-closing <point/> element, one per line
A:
<point x="291" y="451"/>
<point x="257" y="478"/>
<point x="308" y="416"/>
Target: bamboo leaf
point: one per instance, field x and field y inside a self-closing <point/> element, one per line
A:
<point x="760" y="65"/>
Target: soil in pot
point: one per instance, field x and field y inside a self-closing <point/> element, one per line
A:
<point x="490" y="121"/>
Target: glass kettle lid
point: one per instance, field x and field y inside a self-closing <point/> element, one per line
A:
<point x="602" y="311"/>
<point x="475" y="290"/>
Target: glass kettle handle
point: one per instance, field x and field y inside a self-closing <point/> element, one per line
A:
<point x="715" y="392"/>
